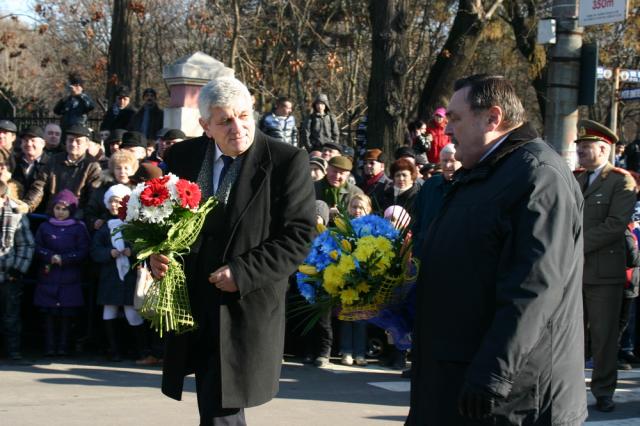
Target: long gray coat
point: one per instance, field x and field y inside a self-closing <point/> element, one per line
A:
<point x="265" y="233"/>
<point x="499" y="294"/>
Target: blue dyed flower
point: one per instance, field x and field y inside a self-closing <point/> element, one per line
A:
<point x="306" y="289"/>
<point x="374" y="225"/>
<point x="319" y="255"/>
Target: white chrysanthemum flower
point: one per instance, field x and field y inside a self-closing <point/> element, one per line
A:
<point x="156" y="214"/>
<point x="171" y="186"/>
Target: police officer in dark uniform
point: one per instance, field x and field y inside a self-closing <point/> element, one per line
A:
<point x="609" y="198"/>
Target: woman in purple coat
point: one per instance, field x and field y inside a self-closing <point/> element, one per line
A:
<point x="62" y="246"/>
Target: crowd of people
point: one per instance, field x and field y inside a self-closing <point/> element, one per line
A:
<point x="65" y="179"/>
<point x="60" y="188"/>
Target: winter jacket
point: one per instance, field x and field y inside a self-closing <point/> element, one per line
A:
<point x="281" y="128"/>
<point x="633" y="263"/>
<point x="111" y="289"/>
<point x="80" y="177"/>
<point x="438" y="140"/>
<point x="320" y="129"/>
<point x="16" y="241"/>
<point x="60" y="285"/>
<point x="500" y="292"/>
<point x="155" y="121"/>
<point x="74" y="110"/>
<point x="116" y="118"/>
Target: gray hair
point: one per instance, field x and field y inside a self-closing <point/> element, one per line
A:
<point x="221" y="92"/>
<point x="448" y="149"/>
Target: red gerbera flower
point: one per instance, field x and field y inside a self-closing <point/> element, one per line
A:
<point x="122" y="210"/>
<point x="189" y="193"/>
<point x="154" y="194"/>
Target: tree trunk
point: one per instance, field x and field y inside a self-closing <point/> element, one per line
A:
<point x="524" y="22"/>
<point x="455" y="56"/>
<point x="389" y="24"/>
<point x="236" y="34"/>
<point x="119" y="70"/>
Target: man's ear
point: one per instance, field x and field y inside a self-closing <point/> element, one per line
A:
<point x="494" y="118"/>
<point x="204" y="125"/>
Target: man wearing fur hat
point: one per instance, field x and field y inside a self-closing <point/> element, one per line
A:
<point x="75" y="105"/>
<point x="321" y="126"/>
<point x="609" y="199"/>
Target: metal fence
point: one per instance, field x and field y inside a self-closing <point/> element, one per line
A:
<point x="24" y="122"/>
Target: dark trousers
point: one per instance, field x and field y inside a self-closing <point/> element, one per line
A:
<point x="627" y="330"/>
<point x="10" y="300"/>
<point x="602" y="304"/>
<point x="324" y="334"/>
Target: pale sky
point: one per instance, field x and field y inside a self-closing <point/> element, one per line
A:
<point x="15" y="6"/>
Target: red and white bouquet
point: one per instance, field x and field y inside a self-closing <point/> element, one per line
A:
<point x="164" y="215"/>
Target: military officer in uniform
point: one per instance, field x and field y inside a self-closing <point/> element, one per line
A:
<point x="609" y="198"/>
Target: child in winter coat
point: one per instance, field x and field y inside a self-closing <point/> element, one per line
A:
<point x="353" y="334"/>
<point x="62" y="246"/>
<point x="117" y="281"/>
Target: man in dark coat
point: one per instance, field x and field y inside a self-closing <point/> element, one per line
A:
<point x="120" y="113"/>
<point x="149" y="118"/>
<point x="499" y="335"/>
<point x="75" y="105"/>
<point x="375" y="180"/>
<point x="609" y="198"/>
<point x="237" y="273"/>
<point x="74" y="170"/>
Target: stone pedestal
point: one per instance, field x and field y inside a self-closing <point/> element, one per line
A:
<point x="185" y="78"/>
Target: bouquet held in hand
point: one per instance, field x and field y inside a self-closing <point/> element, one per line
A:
<point x="358" y="267"/>
<point x="164" y="215"/>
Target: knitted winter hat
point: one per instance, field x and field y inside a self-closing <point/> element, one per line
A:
<point x="118" y="190"/>
<point x="67" y="198"/>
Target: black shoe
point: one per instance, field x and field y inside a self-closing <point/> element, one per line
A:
<point x="630" y="357"/>
<point x="624" y="365"/>
<point x="605" y="404"/>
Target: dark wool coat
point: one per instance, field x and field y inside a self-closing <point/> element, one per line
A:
<point x="405" y="200"/>
<point x="262" y="234"/>
<point x="112" y="121"/>
<point x="499" y="293"/>
<point x="111" y="289"/>
<point x="61" y="285"/>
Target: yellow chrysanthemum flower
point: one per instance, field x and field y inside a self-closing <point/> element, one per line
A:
<point x="348" y="296"/>
<point x="333" y="279"/>
<point x="346" y="245"/>
<point x="346" y="264"/>
<point x="363" y="287"/>
<point x="307" y="269"/>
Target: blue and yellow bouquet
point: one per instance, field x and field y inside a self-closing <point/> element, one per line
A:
<point x="358" y="267"/>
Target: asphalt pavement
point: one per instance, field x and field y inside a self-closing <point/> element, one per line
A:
<point x="93" y="392"/>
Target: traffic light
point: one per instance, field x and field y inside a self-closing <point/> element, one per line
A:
<point x="587" y="92"/>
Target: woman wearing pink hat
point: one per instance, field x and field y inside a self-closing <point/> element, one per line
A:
<point x="436" y="127"/>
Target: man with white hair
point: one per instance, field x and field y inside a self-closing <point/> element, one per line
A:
<point x="250" y="244"/>
<point x="609" y="199"/>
